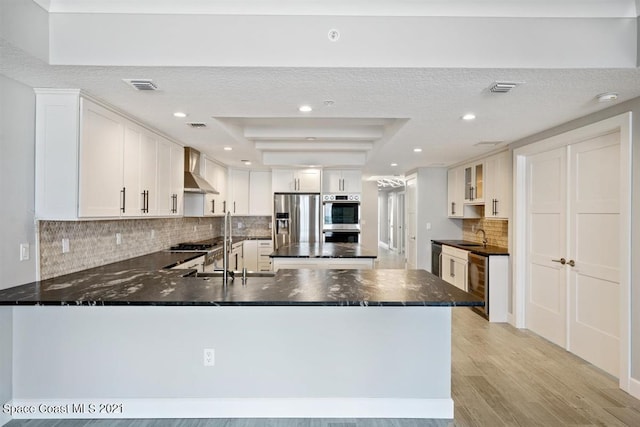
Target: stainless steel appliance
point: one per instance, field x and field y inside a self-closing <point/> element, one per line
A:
<point x="341" y="217"/>
<point x="296" y="218"/>
<point x="436" y="258"/>
<point x="478" y="281"/>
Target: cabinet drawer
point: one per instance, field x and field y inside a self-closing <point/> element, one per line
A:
<point x="455" y="252"/>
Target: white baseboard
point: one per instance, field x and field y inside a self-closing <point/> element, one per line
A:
<point x="634" y="388"/>
<point x="234" y="408"/>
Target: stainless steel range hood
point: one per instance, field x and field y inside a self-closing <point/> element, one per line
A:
<point x="193" y="182"/>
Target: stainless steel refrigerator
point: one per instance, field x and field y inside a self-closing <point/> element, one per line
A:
<point x="296" y="218"/>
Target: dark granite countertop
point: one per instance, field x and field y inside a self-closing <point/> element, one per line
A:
<point x="138" y="286"/>
<point x="477" y="249"/>
<point x="323" y="250"/>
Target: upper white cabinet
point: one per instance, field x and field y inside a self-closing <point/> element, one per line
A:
<point x="498" y="186"/>
<point x="197" y="204"/>
<point x="92" y="162"/>
<point x="341" y="181"/>
<point x="239" y="180"/>
<point x="474" y="183"/>
<point x="455" y="182"/>
<point x="260" y="195"/>
<point x="296" y="181"/>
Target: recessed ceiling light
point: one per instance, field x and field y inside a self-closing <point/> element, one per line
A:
<point x="417" y="150"/>
<point x="228" y="148"/>
<point x="179" y="114"/>
<point x="469" y="116"/>
<point x="607" y="97"/>
<point x="311" y="138"/>
<point x="305" y="109"/>
<point x="246" y="162"/>
<point x="394" y="164"/>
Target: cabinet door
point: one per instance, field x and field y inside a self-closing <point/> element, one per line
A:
<point x="308" y="180"/>
<point x="131" y="173"/>
<point x="101" y="154"/>
<point x="221" y="185"/>
<point x="148" y="170"/>
<point x="331" y="181"/>
<point x="455" y="184"/>
<point x="498" y="186"/>
<point x="165" y="189"/>
<point x="352" y="181"/>
<point x="282" y="180"/>
<point x="177" y="179"/>
<point x="250" y="254"/>
<point x="474" y="183"/>
<point x="239" y="192"/>
<point x="260" y="196"/>
<point x="212" y="205"/>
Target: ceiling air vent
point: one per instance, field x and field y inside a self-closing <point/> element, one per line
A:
<point x="502" y="87"/>
<point x="197" y="125"/>
<point x="141" y="84"/>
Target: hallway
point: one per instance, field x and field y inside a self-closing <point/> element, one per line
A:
<point x="389" y="259"/>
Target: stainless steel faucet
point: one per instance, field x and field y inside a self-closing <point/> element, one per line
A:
<point x="484" y="237"/>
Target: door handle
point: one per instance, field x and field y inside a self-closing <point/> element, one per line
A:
<point x="453" y="208"/>
<point x="124" y="198"/>
<point x="572" y="263"/>
<point x="452" y="267"/>
<point x="213" y="206"/>
<point x="561" y="261"/>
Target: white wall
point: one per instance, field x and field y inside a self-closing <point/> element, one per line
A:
<point x="383" y="217"/>
<point x="17" y="109"/>
<point x="432" y="209"/>
<point x="17" y="112"/>
<point x="6" y="358"/>
<point x="25" y="25"/>
<point x="634" y="107"/>
<point x="369" y="215"/>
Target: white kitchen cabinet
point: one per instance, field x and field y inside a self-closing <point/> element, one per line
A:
<point x="239" y="185"/>
<point x="265" y="248"/>
<point x="92" y="162"/>
<point x="170" y="184"/>
<point x="216" y="175"/>
<point x="100" y="179"/>
<point x="250" y="254"/>
<point x="323" y="263"/>
<point x="474" y="183"/>
<point x="498" y="186"/>
<point x="296" y="180"/>
<point x="454" y="266"/>
<point x="236" y="261"/>
<point x="260" y="195"/>
<point x="341" y="181"/>
<point x="455" y="184"/>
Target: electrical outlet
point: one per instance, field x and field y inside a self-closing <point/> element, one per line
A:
<point x="65" y="245"/>
<point x="118" y="238"/>
<point x="209" y="357"/>
<point x="473" y="228"/>
<point x="153" y="233"/>
<point x="210" y="226"/>
<point x="240" y="225"/>
<point x="195" y="228"/>
<point x="24" y="252"/>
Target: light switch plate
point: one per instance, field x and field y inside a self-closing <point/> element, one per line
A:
<point x="24" y="252"/>
<point x="209" y="358"/>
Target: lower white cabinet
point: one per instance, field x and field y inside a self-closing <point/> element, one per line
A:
<point x="256" y="255"/>
<point x="236" y="261"/>
<point x="454" y="266"/>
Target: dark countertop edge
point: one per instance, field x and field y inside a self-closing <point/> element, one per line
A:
<point x="241" y="303"/>
<point x="494" y="250"/>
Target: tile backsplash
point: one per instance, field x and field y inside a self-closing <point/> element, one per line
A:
<point x="93" y="243"/>
<point x="497" y="231"/>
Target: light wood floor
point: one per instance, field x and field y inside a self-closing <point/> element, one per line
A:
<point x="501" y="376"/>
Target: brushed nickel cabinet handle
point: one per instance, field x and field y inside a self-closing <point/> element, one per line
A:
<point x="561" y="261"/>
<point x="572" y="263"/>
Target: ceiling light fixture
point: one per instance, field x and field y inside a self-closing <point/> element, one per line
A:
<point x="305" y="109"/>
<point x="469" y="116"/>
<point x="228" y="148"/>
<point x="246" y="162"/>
<point x="607" y="97"/>
<point x="394" y="164"/>
<point x="179" y="114"/>
<point x="310" y="138"/>
<point x="417" y="150"/>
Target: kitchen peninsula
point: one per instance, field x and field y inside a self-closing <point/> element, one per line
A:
<point x="303" y="343"/>
<point x="323" y="255"/>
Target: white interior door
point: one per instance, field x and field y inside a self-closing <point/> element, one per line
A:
<point x="546" y="293"/>
<point x="400" y="222"/>
<point x="594" y="281"/>
<point x="391" y="218"/>
<point x="411" y="223"/>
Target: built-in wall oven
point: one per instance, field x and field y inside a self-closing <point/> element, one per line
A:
<point x="341" y="218"/>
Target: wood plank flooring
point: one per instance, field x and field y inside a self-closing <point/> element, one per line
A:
<point x="501" y="376"/>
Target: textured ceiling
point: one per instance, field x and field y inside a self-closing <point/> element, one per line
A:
<point x="422" y="106"/>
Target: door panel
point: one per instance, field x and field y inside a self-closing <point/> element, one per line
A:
<point x="546" y="210"/>
<point x="411" y="224"/>
<point x="594" y="206"/>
